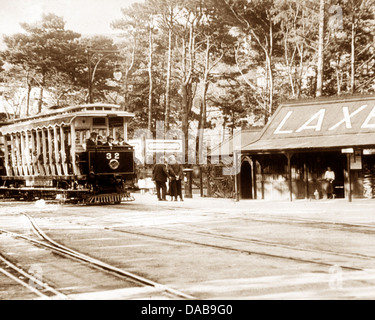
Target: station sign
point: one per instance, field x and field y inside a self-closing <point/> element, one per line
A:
<point x="368" y="152"/>
<point x="347" y="150"/>
<point x="144" y="148"/>
<point x="332" y="119"/>
<point x="163" y="145"/>
<point x="151" y="145"/>
<point x="355" y="158"/>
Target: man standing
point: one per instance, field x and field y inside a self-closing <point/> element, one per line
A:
<point x="176" y="173"/>
<point x="160" y="175"/>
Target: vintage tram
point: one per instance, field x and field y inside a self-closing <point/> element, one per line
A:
<point x="45" y="156"/>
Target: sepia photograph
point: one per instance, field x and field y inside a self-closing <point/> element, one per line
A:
<point x="187" y="154"/>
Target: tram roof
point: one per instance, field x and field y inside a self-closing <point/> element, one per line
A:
<point x="63" y="116"/>
<point x="348" y="122"/>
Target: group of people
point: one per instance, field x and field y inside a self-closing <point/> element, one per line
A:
<point x="97" y="140"/>
<point x="165" y="171"/>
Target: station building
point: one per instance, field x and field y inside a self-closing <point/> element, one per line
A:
<point x="288" y="158"/>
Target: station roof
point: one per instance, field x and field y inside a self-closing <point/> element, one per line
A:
<point x="321" y="124"/>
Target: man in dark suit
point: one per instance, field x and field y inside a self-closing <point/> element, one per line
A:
<point x="175" y="171"/>
<point x="91" y="142"/>
<point x="160" y="175"/>
<point x="109" y="142"/>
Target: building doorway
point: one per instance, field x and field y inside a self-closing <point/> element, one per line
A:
<point x="246" y="181"/>
<point x="318" y="164"/>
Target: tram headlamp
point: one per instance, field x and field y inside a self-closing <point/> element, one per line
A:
<point x="114" y="164"/>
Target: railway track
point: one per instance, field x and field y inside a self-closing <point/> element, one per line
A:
<point x="262" y="247"/>
<point x="328" y="225"/>
<point x="29" y="281"/>
<point x="267" y="248"/>
<point x="288" y="253"/>
<point x="48" y="243"/>
<point x="274" y="244"/>
<point x="192" y="234"/>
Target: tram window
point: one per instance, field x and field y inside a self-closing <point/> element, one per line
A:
<point x="116" y="121"/>
<point x="96" y="122"/>
<point x="102" y="132"/>
<point x="82" y="135"/>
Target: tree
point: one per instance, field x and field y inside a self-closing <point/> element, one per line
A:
<point x="167" y="11"/>
<point x="257" y="34"/>
<point x="130" y="46"/>
<point x="102" y="58"/>
<point x="319" y="82"/>
<point x="297" y="33"/>
<point x="214" y="47"/>
<point x="41" y="52"/>
<point x="349" y="47"/>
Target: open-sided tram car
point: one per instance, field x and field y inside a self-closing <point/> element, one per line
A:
<point x="45" y="156"/>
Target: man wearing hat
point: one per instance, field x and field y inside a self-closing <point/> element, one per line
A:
<point x="160" y="175"/>
<point x="109" y="142"/>
<point x="91" y="142"/>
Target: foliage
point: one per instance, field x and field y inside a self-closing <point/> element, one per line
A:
<point x="239" y="56"/>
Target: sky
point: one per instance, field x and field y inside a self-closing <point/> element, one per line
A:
<point x="83" y="16"/>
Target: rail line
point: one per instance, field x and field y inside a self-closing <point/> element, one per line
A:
<point x="47" y="242"/>
<point x="35" y="285"/>
<point x="291" y="253"/>
<point x="273" y="244"/>
<point x="264" y="243"/>
<point x="331" y="225"/>
<point x="251" y="252"/>
<point x="258" y="242"/>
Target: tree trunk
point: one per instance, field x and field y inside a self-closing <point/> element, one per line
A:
<point x="202" y="102"/>
<point x="270" y="87"/>
<point x="338" y="80"/>
<point x="270" y="69"/>
<point x="319" y="80"/>
<point x="149" y="125"/>
<point x="187" y="66"/>
<point x="40" y="101"/>
<point x="29" y="87"/>
<point x="185" y="119"/>
<point x="168" y="84"/>
<point x="352" y="56"/>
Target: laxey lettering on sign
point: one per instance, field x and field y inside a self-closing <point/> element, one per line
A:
<point x="323" y="119"/>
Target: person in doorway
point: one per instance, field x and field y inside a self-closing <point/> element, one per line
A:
<point x="160" y="176"/>
<point x="329" y="177"/>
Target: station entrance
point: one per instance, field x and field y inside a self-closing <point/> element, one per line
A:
<point x="308" y="170"/>
<point x="246" y="180"/>
<point x="306" y="177"/>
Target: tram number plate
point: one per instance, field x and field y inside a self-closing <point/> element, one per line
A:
<point x="110" y="156"/>
<point x="108" y="162"/>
